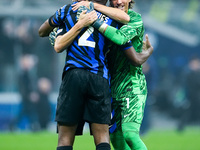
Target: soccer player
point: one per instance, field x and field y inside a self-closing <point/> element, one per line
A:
<point x="84" y="92"/>
<point x="128" y="83"/>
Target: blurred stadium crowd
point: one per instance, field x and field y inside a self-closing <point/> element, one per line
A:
<point x="173" y="72"/>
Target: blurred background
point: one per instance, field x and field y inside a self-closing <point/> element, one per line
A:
<point x="31" y="71"/>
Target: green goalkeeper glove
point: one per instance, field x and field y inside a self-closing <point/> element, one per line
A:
<point x="82" y="8"/>
<point x="98" y="24"/>
<point x="52" y="36"/>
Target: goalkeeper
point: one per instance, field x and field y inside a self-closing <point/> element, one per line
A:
<point x="128" y="83"/>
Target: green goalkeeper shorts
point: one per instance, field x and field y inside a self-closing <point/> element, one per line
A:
<point x="129" y="109"/>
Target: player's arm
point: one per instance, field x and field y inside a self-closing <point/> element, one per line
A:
<point x="45" y="29"/>
<point x="138" y="59"/>
<point x="63" y="41"/>
<point x="126" y="32"/>
<point x="114" y="13"/>
<point x="54" y="21"/>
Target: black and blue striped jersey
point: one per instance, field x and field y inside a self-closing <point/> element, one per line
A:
<point x="89" y="48"/>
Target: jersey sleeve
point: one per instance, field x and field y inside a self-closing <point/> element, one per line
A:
<point x="59" y="16"/>
<point x="126" y="46"/>
<point x="126" y="32"/>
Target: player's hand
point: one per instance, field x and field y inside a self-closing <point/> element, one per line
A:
<point x="52" y="36"/>
<point x="82" y="3"/>
<point x="80" y="10"/>
<point x="87" y="19"/>
<point x="146" y="44"/>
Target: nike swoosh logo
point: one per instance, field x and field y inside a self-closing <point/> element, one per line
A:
<point x="126" y="115"/>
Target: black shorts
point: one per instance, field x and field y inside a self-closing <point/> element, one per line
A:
<point x="83" y="96"/>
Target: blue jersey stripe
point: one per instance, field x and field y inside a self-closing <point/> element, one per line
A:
<point x="63" y="12"/>
<point x="69" y="17"/>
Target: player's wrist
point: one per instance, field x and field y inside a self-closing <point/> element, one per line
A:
<point x="102" y="28"/>
<point x="79" y="25"/>
<point x="100" y="25"/>
<point x="97" y="24"/>
<point x="96" y="6"/>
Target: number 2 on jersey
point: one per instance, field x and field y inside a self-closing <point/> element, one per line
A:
<point x="83" y="39"/>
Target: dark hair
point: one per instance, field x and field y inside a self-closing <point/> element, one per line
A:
<point x="131" y="3"/>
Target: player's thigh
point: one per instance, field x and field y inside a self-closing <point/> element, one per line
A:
<point x="133" y="108"/>
<point x="98" y="105"/>
<point x="70" y="103"/>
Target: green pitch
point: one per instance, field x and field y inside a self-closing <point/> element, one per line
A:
<point x="155" y="140"/>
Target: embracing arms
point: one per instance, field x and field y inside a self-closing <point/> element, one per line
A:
<point x="133" y="23"/>
<point x="137" y="59"/>
<point x="114" y="13"/>
<point x="64" y="40"/>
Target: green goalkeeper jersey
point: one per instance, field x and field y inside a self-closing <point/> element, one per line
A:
<point x="126" y="79"/>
